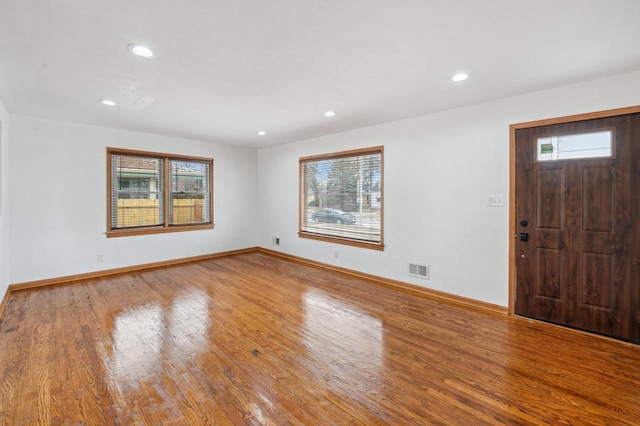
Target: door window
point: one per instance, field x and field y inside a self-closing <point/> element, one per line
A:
<point x="574" y="146"/>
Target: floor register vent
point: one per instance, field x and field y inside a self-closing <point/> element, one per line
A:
<point x="419" y="271"/>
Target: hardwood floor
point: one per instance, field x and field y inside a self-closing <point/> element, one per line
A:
<point x="256" y="340"/>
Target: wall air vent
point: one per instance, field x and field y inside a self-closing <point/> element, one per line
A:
<point x="419" y="271"/>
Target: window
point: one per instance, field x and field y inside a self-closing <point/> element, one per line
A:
<point x="341" y="197"/>
<point x="575" y="146"/>
<point x="150" y="193"/>
<point x="134" y="184"/>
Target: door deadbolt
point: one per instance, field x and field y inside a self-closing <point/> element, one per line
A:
<point x="524" y="236"/>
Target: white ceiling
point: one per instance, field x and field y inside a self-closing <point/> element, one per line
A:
<point x="227" y="68"/>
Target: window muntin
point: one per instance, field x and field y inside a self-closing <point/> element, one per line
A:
<point x="152" y="192"/>
<point x="341" y="197"/>
<point x="575" y="146"/>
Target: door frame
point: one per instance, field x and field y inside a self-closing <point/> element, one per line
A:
<point x="512" y="179"/>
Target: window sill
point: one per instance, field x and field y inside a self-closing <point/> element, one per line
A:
<point x="345" y="241"/>
<point x="157" y="230"/>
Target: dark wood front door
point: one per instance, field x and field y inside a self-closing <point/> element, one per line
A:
<point x="577" y="224"/>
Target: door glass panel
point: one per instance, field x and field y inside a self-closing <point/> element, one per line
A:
<point x="582" y="145"/>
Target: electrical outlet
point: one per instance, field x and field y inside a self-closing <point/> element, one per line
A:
<point x="335" y="254"/>
<point x="100" y="258"/>
<point x="275" y="241"/>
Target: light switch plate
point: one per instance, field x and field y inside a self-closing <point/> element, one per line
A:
<point x="495" y="200"/>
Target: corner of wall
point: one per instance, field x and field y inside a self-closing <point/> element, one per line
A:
<point x="4" y="202"/>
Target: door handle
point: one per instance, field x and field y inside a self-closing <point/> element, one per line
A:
<point x="524" y="236"/>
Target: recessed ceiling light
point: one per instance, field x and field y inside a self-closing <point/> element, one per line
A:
<point x="108" y="102"/>
<point x="262" y="133"/>
<point x="330" y="114"/>
<point x="460" y="77"/>
<point x="140" y="50"/>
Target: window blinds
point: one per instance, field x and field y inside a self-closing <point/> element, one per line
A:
<point x="189" y="192"/>
<point x="136" y="191"/>
<point x="341" y="196"/>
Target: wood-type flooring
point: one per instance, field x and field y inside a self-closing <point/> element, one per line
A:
<point x="253" y="339"/>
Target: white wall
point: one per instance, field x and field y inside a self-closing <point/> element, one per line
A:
<point x="57" y="202"/>
<point x="4" y="199"/>
<point x="439" y="169"/>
